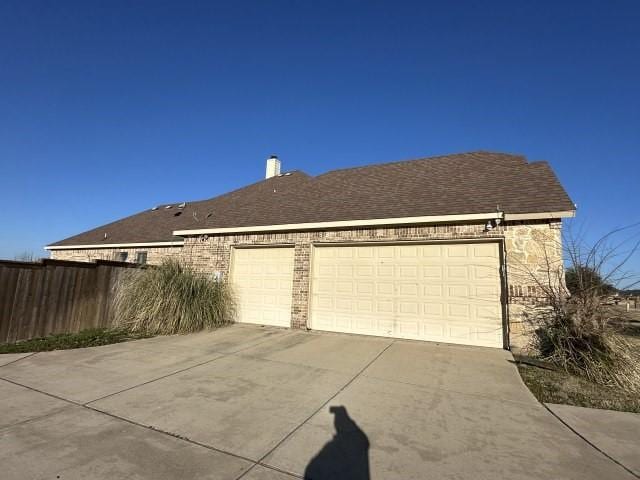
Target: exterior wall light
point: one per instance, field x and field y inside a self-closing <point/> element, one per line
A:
<point x="491" y="224"/>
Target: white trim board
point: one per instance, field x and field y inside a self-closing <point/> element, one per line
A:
<point x="539" y="216"/>
<point x="375" y="222"/>
<point x="326" y="225"/>
<point x="115" y="245"/>
<point x="343" y="223"/>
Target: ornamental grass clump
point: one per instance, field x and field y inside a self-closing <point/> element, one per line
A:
<point x="172" y="298"/>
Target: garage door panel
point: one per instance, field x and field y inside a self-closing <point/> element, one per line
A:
<point x="345" y="253"/>
<point x="458" y="291"/>
<point x="365" y="323"/>
<point x="485" y="251"/>
<point x="365" y="288"/>
<point x="409" y="289"/>
<point x="431" y="251"/>
<point x="343" y="322"/>
<point x="487" y="291"/>
<point x="489" y="336"/>
<point x="461" y="333"/>
<point x="408" y="308"/>
<point x="409" y="328"/>
<point x="325" y="253"/>
<point x="408" y="272"/>
<point x="487" y="312"/>
<point x="384" y="306"/>
<point x="326" y="270"/>
<point x="363" y="271"/>
<point x="324" y="286"/>
<point x="255" y="267"/>
<point x="365" y="306"/>
<point x="432" y="291"/>
<point x="384" y="270"/>
<point x="433" y="309"/>
<point x="458" y="310"/>
<point x="408" y="251"/>
<point x="457" y="251"/>
<point x="322" y="302"/>
<point x="269" y="284"/>
<point x="381" y="252"/>
<point x="385" y="326"/>
<point x="269" y="316"/>
<point x="345" y="271"/>
<point x="263" y="281"/>
<point x="344" y="287"/>
<point x="434" y="272"/>
<point x="243" y="269"/>
<point x="484" y="273"/>
<point x="344" y="305"/>
<point x="443" y="292"/>
<point x="457" y="272"/>
<point x="384" y="288"/>
<point x="433" y="330"/>
<point x="324" y="320"/>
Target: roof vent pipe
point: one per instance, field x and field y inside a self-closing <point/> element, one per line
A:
<point x="273" y="166"/>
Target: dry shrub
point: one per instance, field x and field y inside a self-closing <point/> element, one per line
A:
<point x="575" y="330"/>
<point x="172" y="298"/>
<point x="584" y="343"/>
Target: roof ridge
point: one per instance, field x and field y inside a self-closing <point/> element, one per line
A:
<point x="422" y="159"/>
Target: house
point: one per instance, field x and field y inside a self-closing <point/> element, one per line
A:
<point x="439" y="249"/>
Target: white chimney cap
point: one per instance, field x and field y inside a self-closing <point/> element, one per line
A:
<point x="273" y="167"/>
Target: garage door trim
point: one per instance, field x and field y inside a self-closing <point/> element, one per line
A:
<point x="262" y="245"/>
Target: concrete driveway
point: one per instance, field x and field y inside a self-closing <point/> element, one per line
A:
<point x="259" y="403"/>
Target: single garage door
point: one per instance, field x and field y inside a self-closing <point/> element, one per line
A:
<point x="262" y="279"/>
<point x="439" y="292"/>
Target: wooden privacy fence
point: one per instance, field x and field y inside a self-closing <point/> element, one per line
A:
<point x="56" y="296"/>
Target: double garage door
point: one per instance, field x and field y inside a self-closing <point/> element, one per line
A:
<point x="448" y="292"/>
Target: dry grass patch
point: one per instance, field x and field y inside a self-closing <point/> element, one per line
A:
<point x="557" y="386"/>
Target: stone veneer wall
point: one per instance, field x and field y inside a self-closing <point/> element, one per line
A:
<point x="534" y="257"/>
<point x="530" y="248"/>
<point x="154" y="254"/>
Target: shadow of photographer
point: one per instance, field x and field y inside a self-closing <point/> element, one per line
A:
<point x="345" y="456"/>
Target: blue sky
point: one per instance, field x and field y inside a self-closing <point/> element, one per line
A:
<point x="108" y="108"/>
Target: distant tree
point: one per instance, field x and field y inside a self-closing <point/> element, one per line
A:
<point x="580" y="279"/>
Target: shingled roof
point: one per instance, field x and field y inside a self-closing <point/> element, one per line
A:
<point x="463" y="183"/>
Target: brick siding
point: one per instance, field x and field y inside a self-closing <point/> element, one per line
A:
<point x="154" y="254"/>
<point x="530" y="248"/>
